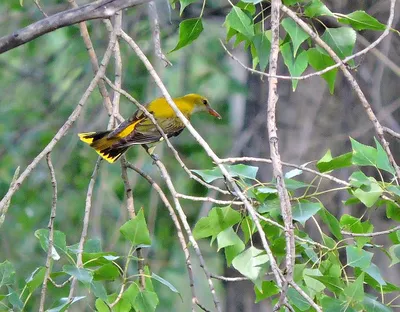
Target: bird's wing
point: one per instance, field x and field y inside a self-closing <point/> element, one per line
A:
<point x="127" y="127"/>
<point x="145" y="132"/>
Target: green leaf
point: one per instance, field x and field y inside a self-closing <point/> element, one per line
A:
<point x="268" y="289"/>
<point x="297" y="34"/>
<point x="355" y="291"/>
<point x="99" y="291"/>
<point x="82" y="275"/>
<point x="136" y="230"/>
<point x="334" y="284"/>
<point x="293" y="185"/>
<point x="232" y="251"/>
<point x="189" y="30"/>
<point x="328" y="163"/>
<point x="15" y="300"/>
<point x="246" y="6"/>
<point x="239" y="170"/>
<point x="392" y="211"/>
<point x="334" y="305"/>
<point x="297" y="300"/>
<point x="382" y="159"/>
<point x="107" y="272"/>
<point x="341" y="40"/>
<point x="367" y="189"/>
<point x="261" y="48"/>
<point x="165" y="283"/>
<point x="97" y="258"/>
<point x="296" y="65"/>
<point x="92" y="245"/>
<point x="358" y="258"/>
<point x="394" y="252"/>
<point x="251" y="263"/>
<point x="64" y="303"/>
<point x="320" y="61"/>
<point x="314" y="286"/>
<point x="331" y="222"/>
<point x="227" y="237"/>
<point x="7" y="273"/>
<point x="184" y="4"/>
<point x="146" y="301"/>
<point x="304" y="210"/>
<point x="59" y="242"/>
<point x="241" y="22"/>
<point x="363" y="155"/>
<point x="372" y="305"/>
<point x="373" y="272"/>
<point x="317" y="8"/>
<point x="354" y="225"/>
<point x="101" y="306"/>
<point x="360" y="20"/>
<point x="218" y="219"/>
<point x="36" y="279"/>
<point x="131" y="293"/>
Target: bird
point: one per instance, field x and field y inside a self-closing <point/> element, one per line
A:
<point x="140" y="130"/>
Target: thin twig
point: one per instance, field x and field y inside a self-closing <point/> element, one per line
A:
<point x="7" y="203"/>
<point x="229" y="279"/>
<point x="373" y="234"/>
<point x="93" y="59"/>
<point x="85" y="226"/>
<point x="210" y="199"/>
<point x="178" y="227"/>
<point x="306" y="296"/>
<point x="155" y="25"/>
<point x="51" y="233"/>
<point x="392" y="132"/>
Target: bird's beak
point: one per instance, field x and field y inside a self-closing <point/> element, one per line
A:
<point x="214" y="113"/>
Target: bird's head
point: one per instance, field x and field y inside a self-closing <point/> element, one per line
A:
<point x="200" y="104"/>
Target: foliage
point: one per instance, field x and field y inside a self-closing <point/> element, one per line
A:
<point x="337" y="273"/>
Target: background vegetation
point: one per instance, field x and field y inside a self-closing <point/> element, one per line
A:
<point x="42" y="82"/>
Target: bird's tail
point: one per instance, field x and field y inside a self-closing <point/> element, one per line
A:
<point x="103" y="145"/>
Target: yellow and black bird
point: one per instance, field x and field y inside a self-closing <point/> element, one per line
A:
<point x="139" y="129"/>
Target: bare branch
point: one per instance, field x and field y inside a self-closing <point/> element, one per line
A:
<point x="93" y="60"/>
<point x="86" y="219"/>
<point x="155" y="25"/>
<point x="51" y="233"/>
<point x="373" y="234"/>
<point x="392" y="132"/>
<point x="93" y="10"/>
<point x="286" y="208"/>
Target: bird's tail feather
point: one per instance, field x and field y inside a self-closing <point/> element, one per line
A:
<point x="103" y="145"/>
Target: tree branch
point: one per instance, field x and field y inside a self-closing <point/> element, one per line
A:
<point x="94" y="10"/>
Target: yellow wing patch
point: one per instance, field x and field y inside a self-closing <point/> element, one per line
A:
<point x="85" y="137"/>
<point x="129" y="129"/>
<point x="110" y="159"/>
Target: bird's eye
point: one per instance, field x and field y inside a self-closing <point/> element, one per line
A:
<point x="205" y="102"/>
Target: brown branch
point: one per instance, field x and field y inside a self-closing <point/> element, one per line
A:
<point x="4" y="208"/>
<point x="93" y="10"/>
<point x="286" y="208"/>
<point x="51" y="233"/>
<point x="93" y="60"/>
<point x="85" y="226"/>
<point x="392" y="132"/>
<point x="155" y="25"/>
